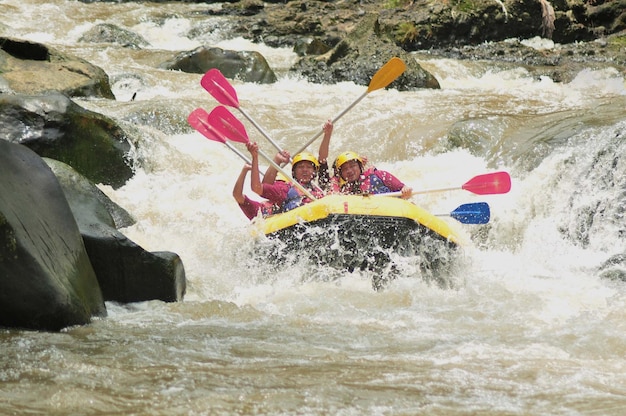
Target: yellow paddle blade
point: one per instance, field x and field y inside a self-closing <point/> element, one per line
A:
<point x="387" y="74"/>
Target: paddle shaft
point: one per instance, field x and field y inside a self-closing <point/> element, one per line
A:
<point x="293" y="181"/>
<point x="228" y="127"/>
<point x="399" y="193"/>
<point x="486" y="184"/>
<point x="234" y="102"/>
<point x="319" y="133"/>
<point x="383" y="77"/>
<point x="241" y="155"/>
<point x="260" y="129"/>
<point x="211" y="134"/>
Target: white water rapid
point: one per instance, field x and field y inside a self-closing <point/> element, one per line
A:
<point x="530" y="327"/>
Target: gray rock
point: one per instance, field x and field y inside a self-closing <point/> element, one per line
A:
<point x="46" y="278"/>
<point x="32" y="68"/>
<point x="54" y="126"/>
<point x="109" y="33"/>
<point x="246" y="66"/>
<point x="359" y="56"/>
<point x="125" y="271"/>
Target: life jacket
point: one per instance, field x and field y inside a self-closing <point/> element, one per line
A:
<point x="267" y="208"/>
<point x="368" y="183"/>
<point x="373" y="184"/>
<point x="295" y="197"/>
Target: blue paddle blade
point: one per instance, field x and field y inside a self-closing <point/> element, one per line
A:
<point x="475" y="213"/>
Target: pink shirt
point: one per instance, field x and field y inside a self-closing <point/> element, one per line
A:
<point x="276" y="192"/>
<point x="250" y="208"/>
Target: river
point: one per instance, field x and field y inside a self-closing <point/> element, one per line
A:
<point x="529" y="326"/>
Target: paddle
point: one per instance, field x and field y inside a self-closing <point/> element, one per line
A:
<point x="218" y="86"/>
<point x="487" y="184"/>
<point x="474" y="213"/>
<point x="383" y="77"/>
<point x="228" y="126"/>
<point x="198" y="119"/>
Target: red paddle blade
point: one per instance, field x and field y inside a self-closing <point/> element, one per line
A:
<point x="218" y="86"/>
<point x="489" y="184"/>
<point x="198" y="119"/>
<point x="227" y="125"/>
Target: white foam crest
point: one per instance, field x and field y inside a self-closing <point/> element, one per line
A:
<point x="539" y="43"/>
<point x="600" y="83"/>
<point x="279" y="58"/>
<point x="431" y="172"/>
<point x="454" y="74"/>
<point x="588" y="85"/>
<point x="41" y="37"/>
<point x="171" y="35"/>
<point x="554" y="294"/>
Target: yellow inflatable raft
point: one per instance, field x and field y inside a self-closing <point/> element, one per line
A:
<point x="361" y="232"/>
<point x="358" y="206"/>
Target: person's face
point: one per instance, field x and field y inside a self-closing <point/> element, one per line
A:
<point x="304" y="171"/>
<point x="350" y="171"/>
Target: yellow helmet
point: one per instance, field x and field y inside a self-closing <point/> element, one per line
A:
<point x="281" y="177"/>
<point x="346" y="157"/>
<point x="305" y="156"/>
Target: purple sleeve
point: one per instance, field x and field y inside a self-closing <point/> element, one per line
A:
<point x="393" y="183"/>
<point x="276" y="192"/>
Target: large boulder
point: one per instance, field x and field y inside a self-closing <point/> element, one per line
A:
<point x="357" y="58"/>
<point x="32" y="68"/>
<point x="54" y="126"/>
<point x="126" y="272"/>
<point x="247" y="66"/>
<point x="110" y="33"/>
<point x="46" y="278"/>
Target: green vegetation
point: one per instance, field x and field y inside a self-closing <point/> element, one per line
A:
<point x="460" y="5"/>
<point x="617" y="40"/>
<point x="407" y="33"/>
<point x="464" y="5"/>
<point x="392" y="4"/>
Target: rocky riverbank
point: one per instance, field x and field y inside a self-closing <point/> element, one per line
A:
<point x="572" y="33"/>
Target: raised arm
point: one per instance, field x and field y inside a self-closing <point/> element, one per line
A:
<point x="323" y="176"/>
<point x="281" y="158"/>
<point x="238" y="188"/>
<point x="324" y="146"/>
<point x="255" y="176"/>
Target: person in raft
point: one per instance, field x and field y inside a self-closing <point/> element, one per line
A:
<point x="351" y="178"/>
<point x="249" y="207"/>
<point x="321" y="162"/>
<point x="305" y="169"/>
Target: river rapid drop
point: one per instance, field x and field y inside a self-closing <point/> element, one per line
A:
<point x="528" y="326"/>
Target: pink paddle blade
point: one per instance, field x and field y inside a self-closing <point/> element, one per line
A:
<point x="198" y="119"/>
<point x="227" y="125"/>
<point x="489" y="184"/>
<point x="218" y="86"/>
